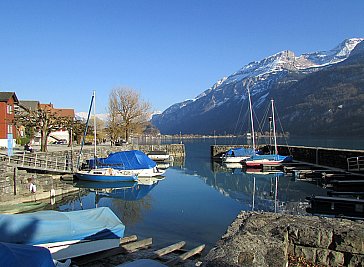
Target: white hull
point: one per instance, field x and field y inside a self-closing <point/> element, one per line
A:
<point x="75" y="248"/>
<point x="158" y="157"/>
<point x="149" y="172"/>
<point x="234" y="159"/>
<point x="106" y="175"/>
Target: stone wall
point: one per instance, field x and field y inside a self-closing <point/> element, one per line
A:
<point x="268" y="239"/>
<point x="14" y="185"/>
<point x="10" y="190"/>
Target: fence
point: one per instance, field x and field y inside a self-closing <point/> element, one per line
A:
<point x="356" y="163"/>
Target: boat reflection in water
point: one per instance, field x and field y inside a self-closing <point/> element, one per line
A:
<point x="257" y="190"/>
<point x="129" y="191"/>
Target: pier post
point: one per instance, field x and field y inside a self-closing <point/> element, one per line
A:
<point x="14" y="179"/>
<point x="317" y="154"/>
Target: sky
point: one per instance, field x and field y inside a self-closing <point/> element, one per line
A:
<point x="59" y="51"/>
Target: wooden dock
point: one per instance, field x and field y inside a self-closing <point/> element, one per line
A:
<point x="339" y="206"/>
<point x="131" y="249"/>
<point x="345" y="159"/>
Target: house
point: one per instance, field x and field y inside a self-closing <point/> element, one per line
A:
<point x="57" y="136"/>
<point x="28" y="105"/>
<point x="7" y="124"/>
<point x="60" y="135"/>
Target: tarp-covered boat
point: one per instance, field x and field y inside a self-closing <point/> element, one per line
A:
<point x="15" y="255"/>
<point x="235" y="155"/>
<point x="134" y="160"/>
<point x="65" y="234"/>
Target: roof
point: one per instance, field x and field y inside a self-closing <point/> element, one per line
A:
<point x="5" y="96"/>
<point x="60" y="112"/>
<point x="29" y="104"/>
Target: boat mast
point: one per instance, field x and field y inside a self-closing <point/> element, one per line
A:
<point x="85" y="132"/>
<point x="274" y="128"/>
<point x="251" y="119"/>
<point x="95" y="125"/>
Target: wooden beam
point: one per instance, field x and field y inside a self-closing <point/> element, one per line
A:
<point x="185" y="256"/>
<point x="128" y="239"/>
<point x="134" y="246"/>
<point x="169" y="249"/>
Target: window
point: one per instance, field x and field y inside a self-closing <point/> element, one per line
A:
<point x="9" y="109"/>
<point x="10" y="128"/>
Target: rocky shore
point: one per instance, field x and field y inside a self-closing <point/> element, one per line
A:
<point x="269" y="239"/>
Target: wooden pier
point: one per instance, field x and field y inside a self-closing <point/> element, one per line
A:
<point x="131" y="249"/>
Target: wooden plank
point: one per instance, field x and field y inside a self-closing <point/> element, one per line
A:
<point x="128" y="239"/>
<point x="169" y="249"/>
<point x="185" y="256"/>
<point x="82" y="260"/>
<point x="134" y="246"/>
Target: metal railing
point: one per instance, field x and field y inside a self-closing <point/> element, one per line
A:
<point x="40" y="162"/>
<point x="355" y="163"/>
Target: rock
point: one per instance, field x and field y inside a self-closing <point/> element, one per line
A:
<point x="266" y="239"/>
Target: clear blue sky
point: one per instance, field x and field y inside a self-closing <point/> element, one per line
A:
<point x="168" y="50"/>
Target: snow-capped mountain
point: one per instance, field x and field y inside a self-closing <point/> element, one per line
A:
<point x="261" y="77"/>
<point x="83" y="116"/>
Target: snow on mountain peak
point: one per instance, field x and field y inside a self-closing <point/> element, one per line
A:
<point x="286" y="60"/>
<point x="333" y="56"/>
<point x="260" y="75"/>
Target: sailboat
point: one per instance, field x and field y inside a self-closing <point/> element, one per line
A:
<point x="237" y="155"/>
<point x="101" y="174"/>
<point x="271" y="159"/>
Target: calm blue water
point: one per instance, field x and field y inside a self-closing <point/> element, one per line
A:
<point x="197" y="201"/>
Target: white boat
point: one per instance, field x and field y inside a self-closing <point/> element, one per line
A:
<point x="240" y="154"/>
<point x="237" y="155"/>
<point x="134" y="161"/>
<point x="103" y="173"/>
<point x="271" y="159"/>
<point x="158" y="155"/>
<point x="107" y="175"/>
<point x="65" y="234"/>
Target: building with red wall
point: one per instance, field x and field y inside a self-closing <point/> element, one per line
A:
<point x="7" y="123"/>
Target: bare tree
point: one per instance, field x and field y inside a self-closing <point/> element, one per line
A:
<point x="44" y="120"/>
<point x="128" y="113"/>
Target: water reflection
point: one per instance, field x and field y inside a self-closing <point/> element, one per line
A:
<point x="128" y="200"/>
<point x="198" y="199"/>
<point x="257" y="190"/>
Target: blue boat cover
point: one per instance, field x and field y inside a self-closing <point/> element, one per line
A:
<point x="54" y="226"/>
<point x="16" y="255"/>
<point x="240" y="152"/>
<point x="124" y="160"/>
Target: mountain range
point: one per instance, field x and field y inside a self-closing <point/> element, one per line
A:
<point x="320" y="93"/>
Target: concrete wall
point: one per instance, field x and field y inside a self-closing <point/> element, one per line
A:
<point x="331" y="157"/>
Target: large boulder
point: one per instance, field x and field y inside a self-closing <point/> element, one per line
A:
<point x="266" y="239"/>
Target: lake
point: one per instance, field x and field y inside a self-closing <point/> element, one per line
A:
<point x="198" y="199"/>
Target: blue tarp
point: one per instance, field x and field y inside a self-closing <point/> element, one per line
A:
<point x="53" y="226"/>
<point x="240" y="152"/>
<point x="124" y="160"/>
<point x="16" y="255"/>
